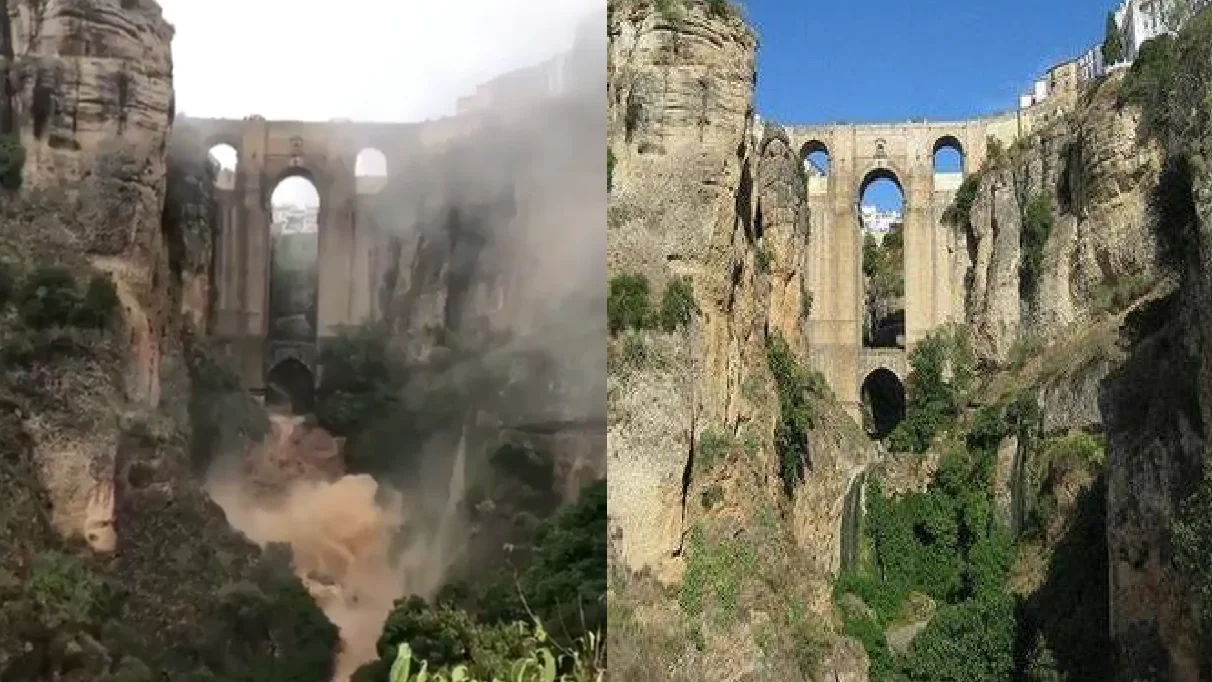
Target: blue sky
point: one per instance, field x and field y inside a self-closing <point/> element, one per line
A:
<point x="826" y="61"/>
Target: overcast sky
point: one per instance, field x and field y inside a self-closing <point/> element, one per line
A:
<point x="369" y="60"/>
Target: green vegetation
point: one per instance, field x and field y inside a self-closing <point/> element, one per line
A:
<point x="884" y="265"/>
<point x="677" y="304"/>
<point x="1038" y="219"/>
<point x="64" y="589"/>
<point x="1149" y="80"/>
<point x="972" y="641"/>
<point x="627" y="305"/>
<point x="1113" y="43"/>
<point x="796" y="387"/>
<point x="931" y="399"/>
<point x="609" y="170"/>
<point x="959" y="212"/>
<point x="49" y="297"/>
<point x="223" y="416"/>
<point x="1193" y="554"/>
<point x="536" y="663"/>
<point x="360" y="383"/>
<point x="718" y="8"/>
<point x="12" y="162"/>
<point x="562" y="591"/>
<point x="717" y="572"/>
<point x="712" y="447"/>
<point x="762" y="259"/>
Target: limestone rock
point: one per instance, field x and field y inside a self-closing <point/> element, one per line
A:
<point x="1099" y="176"/>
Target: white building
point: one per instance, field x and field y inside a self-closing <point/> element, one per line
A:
<point x="878" y="223"/>
<point x="1141" y="20"/>
<point x="296" y="219"/>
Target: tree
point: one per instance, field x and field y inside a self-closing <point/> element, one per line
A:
<point x="1041" y="666"/>
<point x="1176" y="13"/>
<point x="1113" y="44"/>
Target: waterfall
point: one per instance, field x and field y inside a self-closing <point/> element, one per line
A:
<point x="445" y="544"/>
<point x="1018" y="482"/>
<point x="852" y="516"/>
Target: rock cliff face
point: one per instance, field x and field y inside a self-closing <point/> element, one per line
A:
<point x="113" y="563"/>
<point x="698" y="194"/>
<point x="1096" y="176"/>
<point x="1129" y="317"/>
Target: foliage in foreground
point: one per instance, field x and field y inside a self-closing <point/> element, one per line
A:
<point x="538" y="664"/>
<point x="12" y="161"/>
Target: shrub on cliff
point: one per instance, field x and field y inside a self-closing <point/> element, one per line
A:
<point x="1193" y="551"/>
<point x="796" y="416"/>
<point x="677" y="304"/>
<point x="360" y="382"/>
<point x="12" y="161"/>
<point x="99" y="307"/>
<point x="49" y="297"/>
<point x="931" y="401"/>
<point x="1038" y="220"/>
<point x="627" y="305"/>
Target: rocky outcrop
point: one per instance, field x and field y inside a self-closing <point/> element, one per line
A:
<point x="1097" y="176"/>
<point x="679" y="115"/>
<point x="91" y="104"/>
<point x="98" y="418"/>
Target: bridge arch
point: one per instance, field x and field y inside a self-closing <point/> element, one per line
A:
<point x="882" y="393"/>
<point x="290" y="384"/>
<point x="227" y="157"/>
<point x="294" y="257"/>
<point x="949" y="162"/>
<point x="814" y="154"/>
<point x="371" y="171"/>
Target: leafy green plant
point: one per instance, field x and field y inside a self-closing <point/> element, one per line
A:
<point x="609" y="169"/>
<point x="100" y="304"/>
<point x="718" y="8"/>
<point x="712" y="447"/>
<point x="1150" y="79"/>
<point x="627" y="305"/>
<point x="677" y="304"/>
<point x="931" y="401"/>
<point x="12" y="162"/>
<point x="1113" y="43"/>
<point x="795" y="388"/>
<point x="762" y="259"/>
<point x="49" y="297"/>
<point x="64" y="589"/>
<point x="960" y="210"/>
<point x="1038" y="220"/>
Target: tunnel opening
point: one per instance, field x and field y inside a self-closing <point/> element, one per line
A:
<point x="225" y="160"/>
<point x="881" y="217"/>
<point x="370" y="171"/>
<point x="948" y="164"/>
<point x="883" y="397"/>
<point x="290" y="387"/>
<point x="294" y="260"/>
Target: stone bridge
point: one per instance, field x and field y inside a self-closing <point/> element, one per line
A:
<point x="935" y="253"/>
<point x="350" y="261"/>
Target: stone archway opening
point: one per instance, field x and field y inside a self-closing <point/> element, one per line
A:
<point x="290" y="386"/>
<point x="948" y="164"/>
<point x="370" y="171"/>
<point x="881" y="217"/>
<point x="883" y="396"/>
<point x="817" y="165"/>
<point x="294" y="259"/>
<point x="226" y="160"/>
